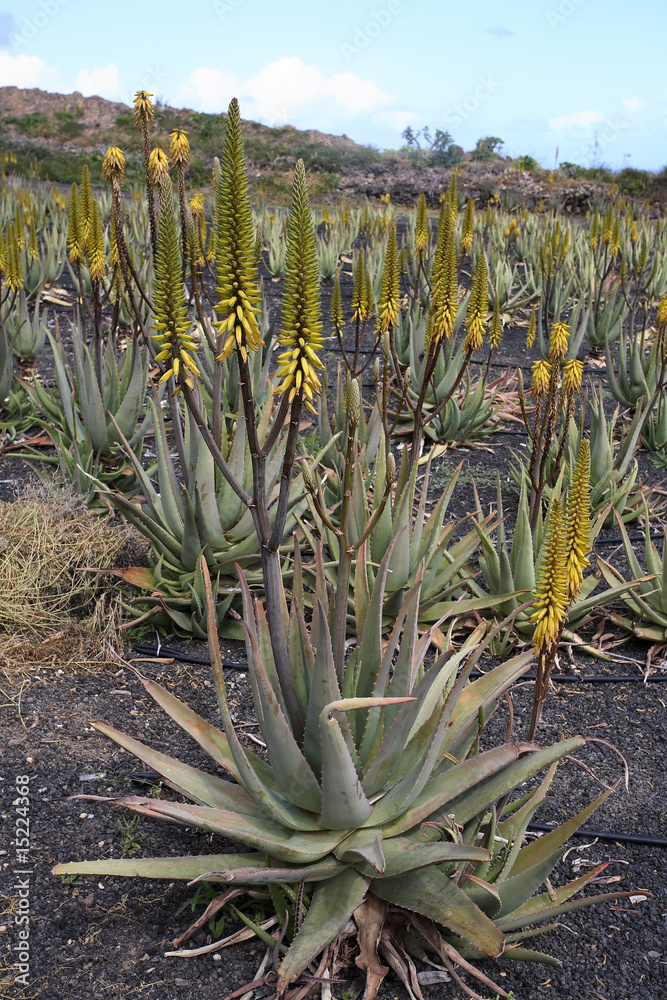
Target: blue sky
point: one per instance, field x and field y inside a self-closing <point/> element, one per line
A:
<point x="582" y="76"/>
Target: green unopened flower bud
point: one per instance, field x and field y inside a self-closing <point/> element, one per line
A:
<point x="354" y="403"/>
<point x="385" y="346"/>
<point x="391" y="469"/>
<point x="308" y="480"/>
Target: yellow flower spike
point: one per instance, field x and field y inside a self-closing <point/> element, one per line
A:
<point x="558" y="342"/>
<point x="447" y="292"/>
<point x="167" y="375"/>
<point x="551" y="589"/>
<point x="158" y="166"/>
<point x="236" y="265"/>
<point x="573" y="372"/>
<point x="170" y="307"/>
<point x="541" y="379"/>
<point x="578" y="528"/>
<point x="143" y="106"/>
<point x="478" y="307"/>
<point x="389" y="307"/>
<point x="301" y="320"/>
<point x="467" y="230"/>
<point x="113" y="166"/>
<point x="179" y="151"/>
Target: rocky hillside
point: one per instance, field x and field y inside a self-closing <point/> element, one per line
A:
<point x="52" y="135"/>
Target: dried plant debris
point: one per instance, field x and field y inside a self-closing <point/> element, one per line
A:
<point x="45" y="542"/>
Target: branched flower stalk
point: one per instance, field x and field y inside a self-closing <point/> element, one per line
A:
<point x="555" y="386"/>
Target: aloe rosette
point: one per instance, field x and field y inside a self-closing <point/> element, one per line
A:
<point x="380" y="800"/>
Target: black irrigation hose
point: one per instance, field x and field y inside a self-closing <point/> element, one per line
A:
<point x="145" y="649"/>
<point x="621" y="838"/>
<point x="632" y="538"/>
<point x="176" y="654"/>
<point x="590" y="679"/>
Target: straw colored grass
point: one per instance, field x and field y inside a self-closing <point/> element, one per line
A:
<point x="44" y="542"/>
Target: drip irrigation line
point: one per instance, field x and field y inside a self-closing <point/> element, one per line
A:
<point x="590" y="678"/>
<point x="621" y="838"/>
<point x="176" y="654"/>
<point x="632" y="538"/>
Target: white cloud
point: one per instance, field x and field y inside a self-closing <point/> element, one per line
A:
<point x="103" y="81"/>
<point x="582" y="119"/>
<point x="25" y="71"/>
<point x="284" y="90"/>
<point x="208" y="90"/>
<point x="632" y="104"/>
<point x="397" y="121"/>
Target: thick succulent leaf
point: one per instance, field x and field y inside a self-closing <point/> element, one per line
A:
<point x="264" y="875"/>
<point x="404" y="679"/>
<point x="266" y="835"/>
<point x="171" y="493"/>
<point x="279" y="809"/>
<point x="364" y="845"/>
<point x="424" y="754"/>
<point x="324" y="689"/>
<point x="376" y="718"/>
<point x="186" y="868"/>
<point x="362" y="595"/>
<point x="485" y="692"/>
<point x="333" y="903"/>
<point x="443" y="788"/>
<point x="404" y="855"/>
<point x="561" y="895"/>
<point x="480" y="797"/>
<point x="389" y="756"/>
<point x="210" y="739"/>
<point x="291" y="770"/>
<point x="513" y="829"/>
<point x="201" y="788"/>
<point x="543" y="846"/>
<point x="433" y="894"/>
<point x="516" y="889"/>
<point x="371" y="641"/>
<point x="553" y="911"/>
<point x="344" y="803"/>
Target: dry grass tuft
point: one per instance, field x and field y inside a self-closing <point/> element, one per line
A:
<point x="44" y="541"/>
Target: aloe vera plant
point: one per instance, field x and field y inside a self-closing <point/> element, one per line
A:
<point x="509" y="570"/>
<point x="95" y="407"/>
<point x="27" y="334"/>
<point x="646" y="596"/>
<point x="376" y="800"/>
<point x="205" y="517"/>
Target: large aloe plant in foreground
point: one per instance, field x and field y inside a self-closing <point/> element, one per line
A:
<point x="381" y="807"/>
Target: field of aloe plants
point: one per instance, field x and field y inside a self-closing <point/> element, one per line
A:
<point x="400" y="472"/>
